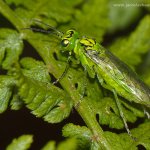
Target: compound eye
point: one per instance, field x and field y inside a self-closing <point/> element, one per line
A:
<point x="64" y="42"/>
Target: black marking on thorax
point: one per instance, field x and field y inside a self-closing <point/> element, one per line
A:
<point x="70" y="34"/>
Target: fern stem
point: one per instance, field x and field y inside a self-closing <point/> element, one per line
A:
<point x="89" y="118"/>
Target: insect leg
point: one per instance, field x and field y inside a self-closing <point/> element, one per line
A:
<point x="118" y="104"/>
<point x="64" y="73"/>
<point x="122" y="114"/>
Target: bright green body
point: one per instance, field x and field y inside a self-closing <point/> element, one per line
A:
<point x="97" y="60"/>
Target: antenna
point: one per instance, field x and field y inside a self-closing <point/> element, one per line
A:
<point x="36" y="29"/>
<point x="56" y="32"/>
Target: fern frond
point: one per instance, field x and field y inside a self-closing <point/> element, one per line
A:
<point x="107" y="112"/>
<point x="7" y="84"/>
<point x="42" y="98"/>
<point x="118" y="141"/>
<point x="11" y="46"/>
<point x="21" y="143"/>
<point x="131" y="49"/>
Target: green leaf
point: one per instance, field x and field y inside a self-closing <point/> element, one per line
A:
<point x="142" y="135"/>
<point x="108" y="114"/>
<point x="87" y="141"/>
<point x="44" y="99"/>
<point x="83" y="134"/>
<point x="92" y="19"/>
<point x="45" y="10"/>
<point x="49" y="146"/>
<point x="118" y="141"/>
<point x="22" y="143"/>
<point x="70" y="143"/>
<point x="16" y="103"/>
<point x="35" y="69"/>
<point x="132" y="48"/>
<point x="146" y="77"/>
<point x="144" y="69"/>
<point x="11" y="46"/>
<point x="6" y="85"/>
<point x="80" y="19"/>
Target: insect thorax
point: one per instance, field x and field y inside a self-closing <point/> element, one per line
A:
<point x="88" y="42"/>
